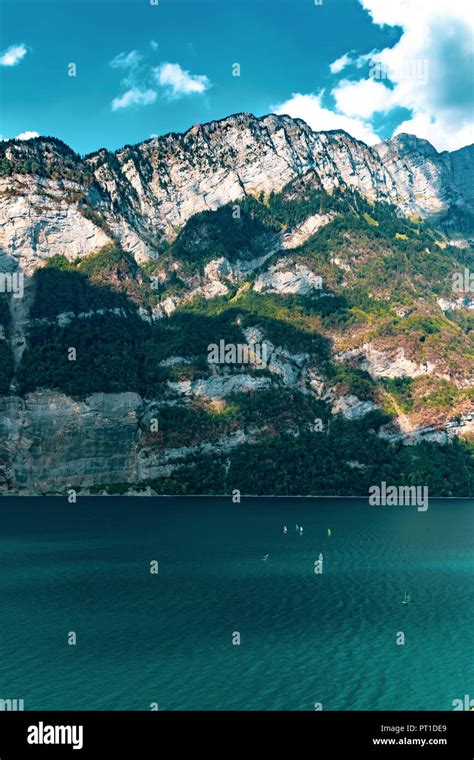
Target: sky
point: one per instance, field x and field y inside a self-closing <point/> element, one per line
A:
<point x="105" y="73"/>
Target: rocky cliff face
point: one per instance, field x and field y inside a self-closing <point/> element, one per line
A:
<point x="49" y="442"/>
<point x="52" y="201"/>
<point x="337" y="288"/>
<point x="41" y="220"/>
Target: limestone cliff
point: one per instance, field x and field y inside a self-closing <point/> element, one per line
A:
<point x="53" y="201"/>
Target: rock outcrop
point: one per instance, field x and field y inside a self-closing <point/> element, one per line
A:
<point x="380" y="364"/>
<point x="49" y="442"/>
<point x="141" y="195"/>
<point x="286" y="277"/>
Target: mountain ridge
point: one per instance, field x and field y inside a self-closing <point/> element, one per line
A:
<point x="400" y="136"/>
<point x="335" y="257"/>
<point x="140" y="195"/>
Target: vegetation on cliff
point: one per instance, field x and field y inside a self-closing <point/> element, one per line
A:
<point x="382" y="276"/>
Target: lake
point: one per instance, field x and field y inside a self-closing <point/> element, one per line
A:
<point x="169" y="638"/>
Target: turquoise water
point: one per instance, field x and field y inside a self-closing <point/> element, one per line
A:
<point x="167" y="638"/>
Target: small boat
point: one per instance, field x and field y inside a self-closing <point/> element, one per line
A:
<point x="265" y="557"/>
<point x="406" y="598"/>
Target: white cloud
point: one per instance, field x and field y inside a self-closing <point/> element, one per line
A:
<point x="430" y="69"/>
<point x="137" y="91"/>
<point x="154" y="45"/>
<point x="361" y="60"/>
<point x="309" y="108"/>
<point x="363" y="98"/>
<point x="428" y="72"/>
<point x="180" y="82"/>
<point x="395" y="12"/>
<point x="134" y="97"/>
<point x="340" y="63"/>
<point x="140" y="80"/>
<point x="26" y="135"/>
<point x="126" y="60"/>
<point x="13" y="55"/>
<point x="437" y="132"/>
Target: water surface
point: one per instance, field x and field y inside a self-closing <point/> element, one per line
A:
<point x="167" y="638"/>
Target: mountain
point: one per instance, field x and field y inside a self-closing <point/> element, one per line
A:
<point x="333" y="260"/>
<point x="53" y="201"/>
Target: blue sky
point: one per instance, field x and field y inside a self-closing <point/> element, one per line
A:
<point x="371" y="67"/>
